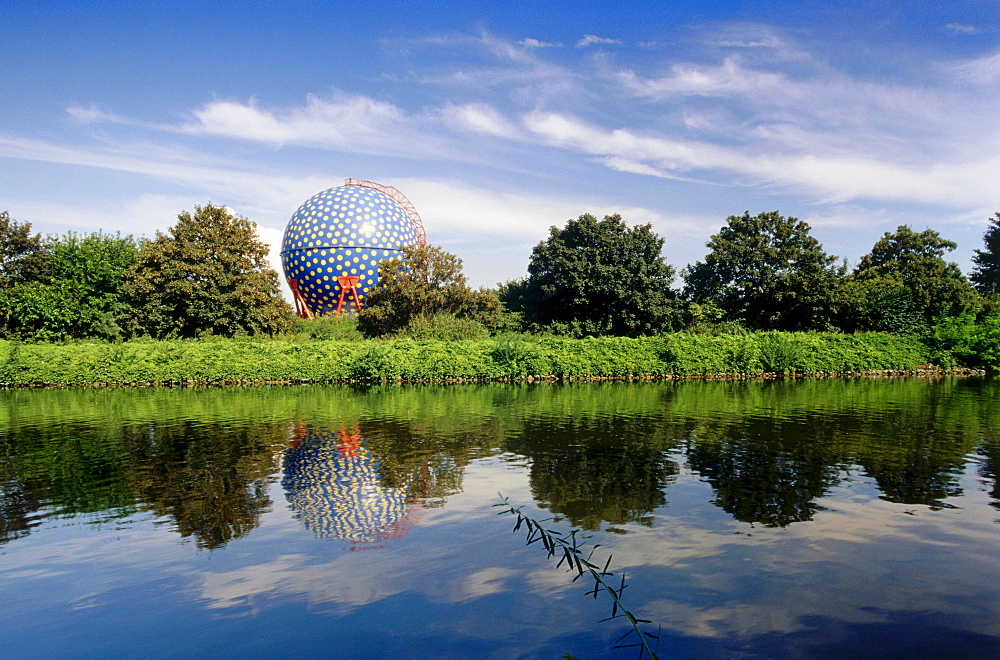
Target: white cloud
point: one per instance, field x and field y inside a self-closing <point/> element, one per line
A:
<point x="960" y="28"/>
<point x="979" y="71"/>
<point x="690" y="79"/>
<point x="834" y="178"/>
<point x="592" y="39"/>
<point x="529" y="42"/>
<point x="452" y="209"/>
<point x="345" y="121"/>
<point x="479" y="118"/>
<point x="240" y="185"/>
<point x="91" y="115"/>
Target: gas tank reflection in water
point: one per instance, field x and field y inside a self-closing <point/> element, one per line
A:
<point x="333" y="484"/>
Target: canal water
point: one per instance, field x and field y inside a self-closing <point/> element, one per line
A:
<point x="812" y="518"/>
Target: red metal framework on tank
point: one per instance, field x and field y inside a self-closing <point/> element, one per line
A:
<point x="400" y="199"/>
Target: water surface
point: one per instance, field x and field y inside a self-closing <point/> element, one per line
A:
<point x="818" y="518"/>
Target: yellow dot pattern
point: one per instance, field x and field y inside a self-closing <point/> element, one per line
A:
<point x="342" y="231"/>
<point x="339" y="494"/>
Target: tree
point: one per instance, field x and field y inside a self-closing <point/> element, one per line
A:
<point x="597" y="278"/>
<point x="914" y="262"/>
<point x="207" y="275"/>
<point x="22" y="256"/>
<point x="59" y="287"/>
<point x="986" y="274"/>
<point x="767" y="272"/>
<point x="426" y="282"/>
<point x="79" y="294"/>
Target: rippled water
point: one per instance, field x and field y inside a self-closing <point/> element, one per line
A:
<point x="818" y="518"/>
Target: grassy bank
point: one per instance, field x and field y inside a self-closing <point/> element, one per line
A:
<point x="515" y="357"/>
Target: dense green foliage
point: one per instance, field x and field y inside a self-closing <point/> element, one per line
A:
<point x="207" y="275"/>
<point x="986" y="272"/>
<point x="21" y="254"/>
<point x="339" y="327"/>
<point x="594" y="278"/>
<point x="426" y="286"/>
<point x="965" y="340"/>
<point x="506" y="357"/>
<point x="767" y="272"/>
<point x="80" y="294"/>
<point x="912" y="264"/>
<point x="62" y="287"/>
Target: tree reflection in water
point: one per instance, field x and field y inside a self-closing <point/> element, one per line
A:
<point x="763" y="471"/>
<point x="598" y="454"/>
<point x="211" y="479"/>
<point x="598" y="468"/>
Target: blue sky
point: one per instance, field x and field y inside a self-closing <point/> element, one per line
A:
<point x="499" y="120"/>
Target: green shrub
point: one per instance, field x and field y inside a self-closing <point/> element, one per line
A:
<point x="780" y="353"/>
<point x="444" y="327"/>
<point x="963" y="341"/>
<point x="338" y="328"/>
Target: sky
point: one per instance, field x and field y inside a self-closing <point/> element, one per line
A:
<point x="501" y="120"/>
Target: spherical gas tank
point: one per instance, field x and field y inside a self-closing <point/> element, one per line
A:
<point x="343" y="231"/>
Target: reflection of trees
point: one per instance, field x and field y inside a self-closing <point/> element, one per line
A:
<point x="917" y="454"/>
<point x="596" y="468"/>
<point x="65" y="469"/>
<point x="17" y="503"/>
<point x="210" y="478"/>
<point x="990" y="467"/>
<point x="912" y="467"/>
<point x="765" y="470"/>
<point x="427" y="457"/>
<point x="769" y="449"/>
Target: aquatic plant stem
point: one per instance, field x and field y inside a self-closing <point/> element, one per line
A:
<point x="556" y="542"/>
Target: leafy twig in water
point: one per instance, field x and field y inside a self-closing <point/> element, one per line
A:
<point x="572" y="555"/>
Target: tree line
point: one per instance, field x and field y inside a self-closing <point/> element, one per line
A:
<point x="208" y="275"/>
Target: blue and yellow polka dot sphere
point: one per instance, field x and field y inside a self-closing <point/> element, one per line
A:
<point x="343" y="231"/>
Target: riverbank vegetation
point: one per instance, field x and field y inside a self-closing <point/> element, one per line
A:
<point x="506" y="357"/>
<point x="198" y="304"/>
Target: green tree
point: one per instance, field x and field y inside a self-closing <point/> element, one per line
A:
<point x="207" y="275"/>
<point x="22" y="255"/>
<point x="769" y="273"/>
<point x="986" y="273"/>
<point x="80" y="293"/>
<point x="597" y="278"/>
<point x="914" y="262"/>
<point x="426" y="283"/>
<point x="879" y="305"/>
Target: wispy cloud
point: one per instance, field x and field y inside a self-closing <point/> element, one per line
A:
<point x="833" y="179"/>
<point x="241" y="184"/>
<point x="341" y="121"/>
<point x="731" y="77"/>
<point x="479" y="118"/>
<point x="92" y="115"/>
<point x="529" y="42"/>
<point x="594" y="40"/>
<point x="960" y="28"/>
<point x="978" y="71"/>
